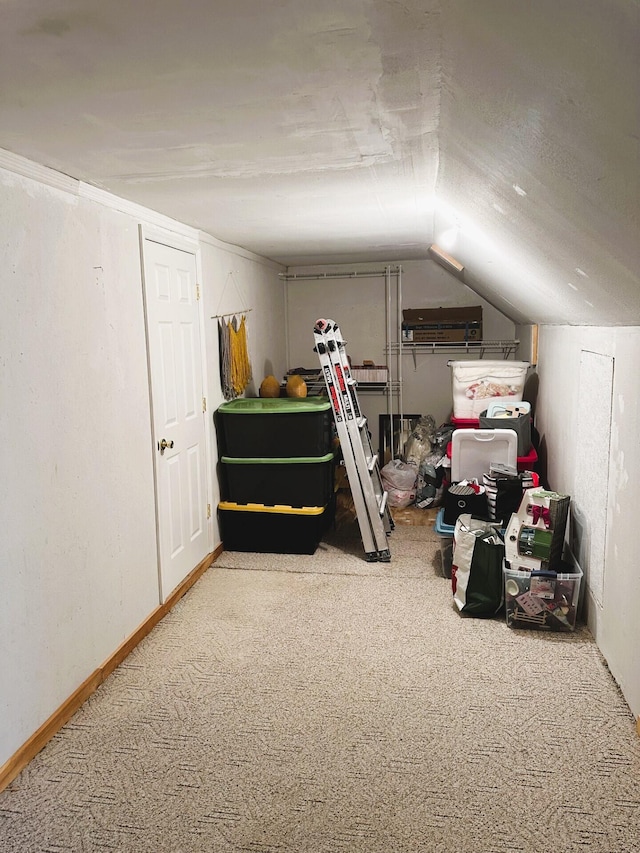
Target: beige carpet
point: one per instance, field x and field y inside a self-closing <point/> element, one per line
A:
<point x="321" y="704"/>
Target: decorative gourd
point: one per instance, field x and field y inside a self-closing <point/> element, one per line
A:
<point x="270" y="387"/>
<point x="296" y="386"/>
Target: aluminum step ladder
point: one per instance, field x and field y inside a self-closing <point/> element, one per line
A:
<point x="361" y="463"/>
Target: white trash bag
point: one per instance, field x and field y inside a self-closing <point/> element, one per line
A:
<point x="399" y="480"/>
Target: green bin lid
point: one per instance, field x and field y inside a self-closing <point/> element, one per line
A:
<point x="289" y="460"/>
<point x="274" y="405"/>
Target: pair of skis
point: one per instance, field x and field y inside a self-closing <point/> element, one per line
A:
<point x="363" y="472"/>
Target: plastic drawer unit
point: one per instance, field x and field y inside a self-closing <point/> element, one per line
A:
<point x="278" y="427"/>
<point x="293" y="481"/>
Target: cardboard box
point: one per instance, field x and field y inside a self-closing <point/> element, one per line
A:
<point x="370" y="372"/>
<point x="464" y="334"/>
<point x="444" y="325"/>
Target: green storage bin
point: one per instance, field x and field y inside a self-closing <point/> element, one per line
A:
<point x="276" y="427"/>
<point x="297" y="481"/>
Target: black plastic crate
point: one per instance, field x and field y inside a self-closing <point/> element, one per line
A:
<point x="275" y="427"/>
<point x="295" y="481"/>
<point x="273" y="530"/>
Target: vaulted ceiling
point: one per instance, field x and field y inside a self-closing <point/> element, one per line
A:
<point x="325" y="131"/>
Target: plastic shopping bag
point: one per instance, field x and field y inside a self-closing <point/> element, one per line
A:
<point x="476" y="573"/>
<point x="399" y="482"/>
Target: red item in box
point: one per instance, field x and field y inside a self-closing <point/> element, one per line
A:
<point x="526" y="463"/>
<point x="465" y="423"/>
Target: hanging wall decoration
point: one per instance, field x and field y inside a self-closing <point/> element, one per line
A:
<point x="233" y="348"/>
<point x="240" y="364"/>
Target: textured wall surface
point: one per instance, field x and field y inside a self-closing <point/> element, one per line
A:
<point x="614" y="621"/>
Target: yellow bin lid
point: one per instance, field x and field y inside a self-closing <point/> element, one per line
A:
<point x="278" y="508"/>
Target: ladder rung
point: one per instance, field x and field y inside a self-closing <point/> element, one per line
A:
<point x="383" y="503"/>
<point x="372" y="462"/>
<point x="362" y="422"/>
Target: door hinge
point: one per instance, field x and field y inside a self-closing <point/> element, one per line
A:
<point x="208" y="510"/>
<point x="204" y="404"/>
<point x="197" y="292"/>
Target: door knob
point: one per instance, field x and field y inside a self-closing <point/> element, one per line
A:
<point x="162" y="445"/>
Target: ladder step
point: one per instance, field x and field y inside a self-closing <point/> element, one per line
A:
<point x="372" y="462"/>
<point x="362" y="422"/>
<point x="383" y="503"/>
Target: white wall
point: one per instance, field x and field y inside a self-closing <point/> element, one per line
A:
<point x="614" y="622"/>
<point x="78" y="563"/>
<point x="78" y="570"/>
<point x="358" y="305"/>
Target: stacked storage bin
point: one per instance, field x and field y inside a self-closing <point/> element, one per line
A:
<point x="276" y="474"/>
<point x="475" y="384"/>
<point x="542" y="589"/>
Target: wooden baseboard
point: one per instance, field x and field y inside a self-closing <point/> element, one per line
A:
<point x="11" y="768"/>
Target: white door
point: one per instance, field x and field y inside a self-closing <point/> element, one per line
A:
<point x="175" y="367"/>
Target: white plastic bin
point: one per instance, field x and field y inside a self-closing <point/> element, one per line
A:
<point x="478" y="383"/>
<point x="473" y="451"/>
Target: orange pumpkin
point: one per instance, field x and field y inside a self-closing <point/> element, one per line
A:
<point x="270" y="387"/>
<point x="296" y="386"/>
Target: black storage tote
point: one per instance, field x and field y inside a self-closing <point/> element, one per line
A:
<point x="295" y="482"/>
<point x="275" y="427"/>
<point x="521" y="425"/>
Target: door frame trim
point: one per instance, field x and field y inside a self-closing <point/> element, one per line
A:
<point x="172" y="240"/>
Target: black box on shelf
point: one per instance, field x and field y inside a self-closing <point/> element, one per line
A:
<point x="442" y="325"/>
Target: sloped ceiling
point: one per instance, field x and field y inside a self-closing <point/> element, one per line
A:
<point x="325" y="131"/>
<point x="539" y="155"/>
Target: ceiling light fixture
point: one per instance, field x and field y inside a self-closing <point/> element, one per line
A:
<point x="448" y="238"/>
<point x="445" y="260"/>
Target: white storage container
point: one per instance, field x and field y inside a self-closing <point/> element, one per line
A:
<point x="478" y="383"/>
<point x="473" y="451"/>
